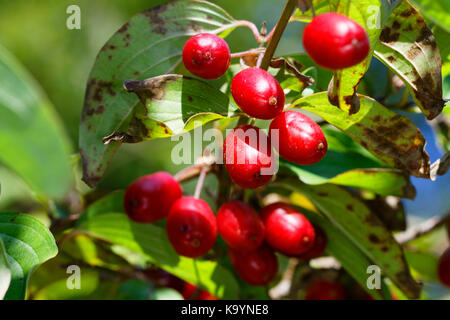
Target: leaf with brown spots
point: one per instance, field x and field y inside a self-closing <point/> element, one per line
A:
<point x="344" y="85"/>
<point x="149" y="45"/>
<point x="363" y="228"/>
<point x="392" y="138"/>
<point x="437" y="11"/>
<point x="170" y="105"/>
<point x="349" y="255"/>
<point x="347" y="163"/>
<point x="407" y="46"/>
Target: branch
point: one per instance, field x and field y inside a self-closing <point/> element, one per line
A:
<point x="422" y="229"/>
<point x="278" y="32"/>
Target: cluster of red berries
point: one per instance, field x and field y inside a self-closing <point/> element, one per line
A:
<point x="332" y="40"/>
<point x="251" y="238"/>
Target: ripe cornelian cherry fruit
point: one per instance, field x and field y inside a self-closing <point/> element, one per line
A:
<point x="335" y="41"/>
<point x="257" y="93"/>
<point x="206" y="56"/>
<point x="191" y="227"/>
<point x="301" y="140"/>
<point x="240" y="226"/>
<point x="444" y="268"/>
<point x="150" y="197"/>
<point x="247" y="154"/>
<point x="320" y="243"/>
<point x="287" y="230"/>
<point x="257" y="267"/>
<point x="322" y="289"/>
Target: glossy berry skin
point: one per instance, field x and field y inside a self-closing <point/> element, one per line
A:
<point x="150" y="197"/>
<point x="257" y="267"/>
<point x="320" y="243"/>
<point x="191" y="227"/>
<point x="206" y="56"/>
<point x="301" y="140"/>
<point x="240" y="226"/>
<point x="325" y="290"/>
<point x="205" y="295"/>
<point x="258" y="93"/>
<point x="444" y="268"/>
<point x="335" y="41"/>
<point x="247" y="154"/>
<point x="287" y="230"/>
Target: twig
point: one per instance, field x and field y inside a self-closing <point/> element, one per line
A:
<point x="192" y="172"/>
<point x="244" y="23"/>
<point x="277" y="33"/>
<point x="283" y="287"/>
<point x="422" y="229"/>
<point x="253" y="52"/>
<point x="201" y="180"/>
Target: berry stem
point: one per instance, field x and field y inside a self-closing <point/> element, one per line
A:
<point x="191" y="172"/>
<point x="253" y="52"/>
<point x="200" y="181"/>
<point x="278" y="32"/>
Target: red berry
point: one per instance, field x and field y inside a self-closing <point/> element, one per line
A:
<point x="301" y="140"/>
<point x="334" y="41"/>
<point x="320" y="243"/>
<point x="444" y="268"/>
<point x="240" y="226"/>
<point x="191" y="227"/>
<point x="247" y="155"/>
<point x="149" y="198"/>
<point x="287" y="230"/>
<point x="257" y="93"/>
<point x="257" y="267"/>
<point x="325" y="290"/>
<point x="206" y="55"/>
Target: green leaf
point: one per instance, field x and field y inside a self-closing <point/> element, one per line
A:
<point x="354" y="219"/>
<point x="149" y="45"/>
<point x="435" y="10"/>
<point x="392" y="138"/>
<point x="172" y="104"/>
<point x="347" y="163"/>
<point x="28" y="243"/>
<point x="32" y="140"/>
<point x="423" y="264"/>
<point x="407" y="46"/>
<point x="151" y="241"/>
<point x="352" y="259"/>
<point x="5" y="271"/>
